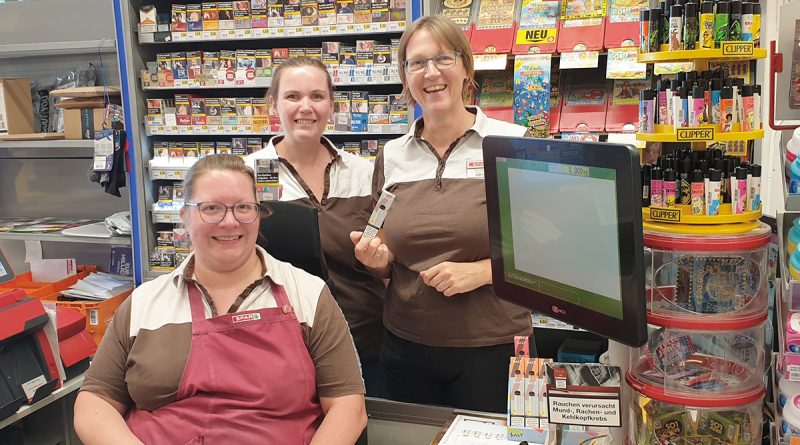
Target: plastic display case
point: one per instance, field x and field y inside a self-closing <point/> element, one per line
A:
<point x="690" y="360"/>
<point x="707" y="278"/>
<point x="718" y="420"/>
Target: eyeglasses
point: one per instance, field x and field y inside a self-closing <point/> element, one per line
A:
<point x="244" y="212"/>
<point x="442" y="62"/>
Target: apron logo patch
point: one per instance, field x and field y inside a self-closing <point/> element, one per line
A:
<point x="246" y="317"/>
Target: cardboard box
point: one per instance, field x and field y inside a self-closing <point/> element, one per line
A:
<point x="16" y="109"/>
<point x="82" y="123"/>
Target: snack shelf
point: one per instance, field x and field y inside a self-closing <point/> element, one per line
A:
<point x="263" y="82"/>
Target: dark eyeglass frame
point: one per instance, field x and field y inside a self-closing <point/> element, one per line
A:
<point x="262" y="211"/>
<point x="456" y="55"/>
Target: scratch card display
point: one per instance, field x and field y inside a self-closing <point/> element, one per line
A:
<point x="532" y="93"/>
<point x="459" y="11"/>
<point x="496" y="14"/>
<point x="538" y="14"/>
<point x="582" y="9"/>
<point x="625" y="10"/>
<point x="715" y="285"/>
<point x="626" y="92"/>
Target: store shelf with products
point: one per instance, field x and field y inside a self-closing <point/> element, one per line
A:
<point x="57" y="237"/>
<point x="730" y="52"/>
<point x="67" y="387"/>
<point x="215" y="68"/>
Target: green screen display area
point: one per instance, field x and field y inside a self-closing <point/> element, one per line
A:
<point x="559" y="231"/>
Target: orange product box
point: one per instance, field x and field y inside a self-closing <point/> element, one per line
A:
<point x="43" y="290"/>
<point x="98" y="313"/>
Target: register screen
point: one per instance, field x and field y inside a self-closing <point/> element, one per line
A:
<point x="559" y="231"/>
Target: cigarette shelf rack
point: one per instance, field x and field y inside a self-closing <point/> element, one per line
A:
<point x="139" y="51"/>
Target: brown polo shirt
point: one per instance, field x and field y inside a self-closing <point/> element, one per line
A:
<point x="344" y="206"/>
<point x="144" y="352"/>
<point x="439" y="214"/>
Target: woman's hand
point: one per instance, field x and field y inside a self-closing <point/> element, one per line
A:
<point x="373" y="254"/>
<point x="452" y="278"/>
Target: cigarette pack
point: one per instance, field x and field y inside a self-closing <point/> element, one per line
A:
<point x="179" y="65"/>
<point x="161" y="149"/>
<point x="183" y="109"/>
<point x="308" y="13"/>
<point x="213" y="111"/>
<point x="397" y="10"/>
<point x="260" y="115"/>
<point x="163" y="24"/>
<point x="223" y="148"/>
<point x="296" y="52"/>
<point x="314" y="53"/>
<point x="210" y="16"/>
<point x="239" y="146"/>
<point x="165" y="191"/>
<point x="258" y="4"/>
<point x="267" y="178"/>
<point x="198" y="110"/>
<point x="147" y="19"/>
<point x="378" y="109"/>
<point x="206" y="149"/>
<point x="194" y="64"/>
<point x="347" y="55"/>
<point x="258" y="18"/>
<point x="244" y="111"/>
<point x="225" y="14"/>
<point x="279" y="55"/>
<point x="178" y="18"/>
<point x="398" y="110"/>
<point x="369" y="148"/>
<point x="380" y="11"/>
<point x="228" y="108"/>
<point x="382" y="55"/>
<point x="190" y="151"/>
<point x="291" y="14"/>
<point x="362" y="11"/>
<point x="263" y="63"/>
<point x="155" y="113"/>
<point x="344" y="12"/>
<point x="352" y="147"/>
<point x="327" y="12"/>
<point x="275" y="14"/>
<point x="175" y="152"/>
<point x="254" y="145"/>
<point x="241" y="15"/>
<point x="194" y="17"/>
<point x="359" y="101"/>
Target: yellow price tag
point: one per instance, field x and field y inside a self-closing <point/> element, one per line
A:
<point x="536" y="36"/>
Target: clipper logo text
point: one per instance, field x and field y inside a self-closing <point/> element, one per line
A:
<point x="660" y="214"/>
<point x="737" y="48"/>
<point x="696" y="134"/>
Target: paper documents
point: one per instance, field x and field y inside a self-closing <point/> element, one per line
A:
<point x="99" y="286"/>
<point x="473" y="430"/>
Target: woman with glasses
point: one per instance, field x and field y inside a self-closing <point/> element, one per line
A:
<point x="449" y="337"/>
<point x="233" y="346"/>
<point x="339" y="184"/>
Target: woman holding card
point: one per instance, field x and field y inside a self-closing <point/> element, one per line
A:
<point x="313" y="172"/>
<point x="449" y="337"/>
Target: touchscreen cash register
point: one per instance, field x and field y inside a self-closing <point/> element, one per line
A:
<point x="565" y="227"/>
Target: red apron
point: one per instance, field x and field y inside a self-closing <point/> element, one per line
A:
<point x="249" y="380"/>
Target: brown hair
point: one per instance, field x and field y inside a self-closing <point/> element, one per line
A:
<point x="446" y="33"/>
<point x="222" y="162"/>
<point x="296" y="62"/>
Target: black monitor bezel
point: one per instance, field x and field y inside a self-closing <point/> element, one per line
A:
<point x="624" y="160"/>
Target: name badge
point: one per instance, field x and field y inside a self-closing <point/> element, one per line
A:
<point x="474" y="168"/>
<point x="242" y="318"/>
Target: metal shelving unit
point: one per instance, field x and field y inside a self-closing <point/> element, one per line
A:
<point x="59" y="238"/>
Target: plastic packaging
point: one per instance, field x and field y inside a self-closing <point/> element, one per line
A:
<point x="788" y="390"/>
<point x="794" y="265"/>
<point x="790" y="426"/>
<point x="729" y="421"/>
<point x="708" y="277"/>
<point x="794" y="177"/>
<point x="793" y="332"/>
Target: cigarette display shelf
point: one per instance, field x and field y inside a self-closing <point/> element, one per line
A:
<point x="140" y="50"/>
<point x="345" y="30"/>
<point x="747" y="52"/>
<point x="266" y="82"/>
<point x="233" y="130"/>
